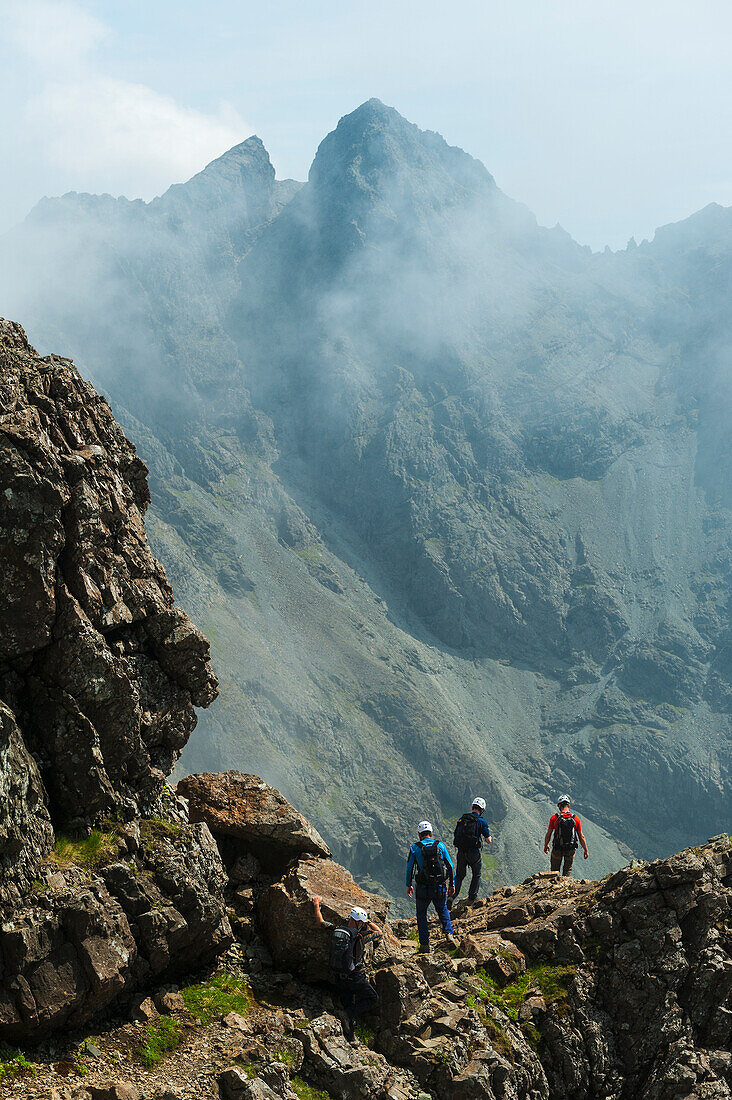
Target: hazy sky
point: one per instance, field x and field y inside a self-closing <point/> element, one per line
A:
<point x="611" y="118"/>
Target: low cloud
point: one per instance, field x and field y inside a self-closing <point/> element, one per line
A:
<point x="86" y="129"/>
<point x="126" y="138"/>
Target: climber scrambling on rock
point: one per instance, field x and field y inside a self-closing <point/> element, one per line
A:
<point x="566" y="830"/>
<point x="431" y="861"/>
<point x="347" y="963"/>
<point x="468" y="840"/>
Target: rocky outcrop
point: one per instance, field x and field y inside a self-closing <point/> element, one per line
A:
<point x="286" y="919"/>
<point x="82" y="941"/>
<point x="560" y="989"/>
<point x="617" y="988"/>
<point x="277" y="864"/>
<point x="248" y="817"/>
<point x="99" y="676"/>
<point x="100" y="669"/>
<point x="26" y="835"/>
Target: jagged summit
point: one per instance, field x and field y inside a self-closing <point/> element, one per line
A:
<point x="229" y="179"/>
<point x="374" y="147"/>
<point x="709" y="226"/>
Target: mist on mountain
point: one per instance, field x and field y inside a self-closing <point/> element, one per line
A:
<point x="448" y="492"/>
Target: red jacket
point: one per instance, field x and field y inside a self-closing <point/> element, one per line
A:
<point x="554" y="821"/>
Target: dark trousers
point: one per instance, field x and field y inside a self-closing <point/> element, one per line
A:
<point x="557" y="857"/>
<point x="472" y="859"/>
<point x="437" y="896"/>
<point x="356" y="992"/>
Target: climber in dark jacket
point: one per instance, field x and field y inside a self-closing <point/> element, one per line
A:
<point x="470" y="831"/>
<point x="356" y="991"/>
<point x="430" y="859"/>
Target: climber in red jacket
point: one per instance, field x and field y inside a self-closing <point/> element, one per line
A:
<point x="566" y="830"/>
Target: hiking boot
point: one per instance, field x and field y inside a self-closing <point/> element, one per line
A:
<point x="423" y="949"/>
<point x="349" y="1032"/>
<point x="452" y="939"/>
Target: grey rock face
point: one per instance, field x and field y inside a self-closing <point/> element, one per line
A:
<point x="99" y="676"/>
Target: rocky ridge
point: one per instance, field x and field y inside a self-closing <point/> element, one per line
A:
<point x="559" y="988"/>
<point x="100" y="673"/>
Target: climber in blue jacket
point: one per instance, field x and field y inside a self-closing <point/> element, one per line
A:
<point x="430" y="859"/>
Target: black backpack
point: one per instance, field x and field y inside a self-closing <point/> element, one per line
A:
<point x="433" y="871"/>
<point x="466" y="832"/>
<point x="565" y="834"/>
<point x="341" y="950"/>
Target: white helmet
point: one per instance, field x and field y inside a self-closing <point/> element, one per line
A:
<point x="480" y="803"/>
<point x="358" y="914"/>
<point x="562" y="799"/>
<point x="424" y="827"/>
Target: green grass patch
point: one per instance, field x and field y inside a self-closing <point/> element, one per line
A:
<point x="304" y="1091"/>
<point x="13" y="1063"/>
<point x="552" y="981"/>
<point x="89" y="852"/>
<point x="158" y="828"/>
<point x="162" y="1037"/>
<point x="490" y="866"/>
<point x="313" y="554"/>
<point x="220" y="995"/>
<point x="285" y="1056"/>
<point x="499" y="1039"/>
<point x="532" y="1033"/>
<point x="365" y="1035"/>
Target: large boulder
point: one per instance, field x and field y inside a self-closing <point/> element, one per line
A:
<point x="247" y="816"/>
<point x="287" y="918"/>
<point x="65" y="956"/>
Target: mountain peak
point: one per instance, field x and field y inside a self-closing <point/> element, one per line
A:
<point x="374" y="154"/>
<point x="251" y="151"/>
<point x="241" y="168"/>
<point x="236" y="188"/>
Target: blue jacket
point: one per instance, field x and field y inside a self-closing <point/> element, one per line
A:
<point x="414" y="859"/>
